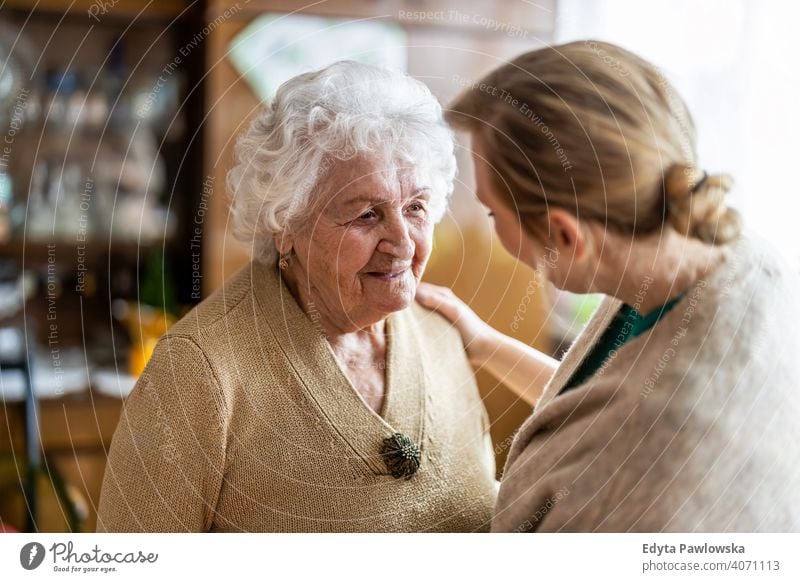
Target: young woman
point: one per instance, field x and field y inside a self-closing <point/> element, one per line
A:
<point x="676" y="409"/>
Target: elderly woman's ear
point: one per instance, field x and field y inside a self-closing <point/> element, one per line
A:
<point x="284" y="243"/>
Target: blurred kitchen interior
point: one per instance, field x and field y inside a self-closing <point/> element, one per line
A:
<point x="119" y="118"/>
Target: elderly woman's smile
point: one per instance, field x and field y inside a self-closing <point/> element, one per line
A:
<point x="359" y="257"/>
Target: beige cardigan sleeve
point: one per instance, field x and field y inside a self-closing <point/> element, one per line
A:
<point x="167" y="458"/>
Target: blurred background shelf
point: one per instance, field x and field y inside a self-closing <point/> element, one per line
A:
<point x="75" y="433"/>
<point x="100" y="183"/>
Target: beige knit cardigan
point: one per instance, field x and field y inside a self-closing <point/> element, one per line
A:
<point x="244" y="421"/>
<point x="692" y="426"/>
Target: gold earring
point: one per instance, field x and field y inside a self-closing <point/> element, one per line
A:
<point x="283" y="263"/>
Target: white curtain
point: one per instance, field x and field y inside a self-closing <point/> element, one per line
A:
<point x="737" y="64"/>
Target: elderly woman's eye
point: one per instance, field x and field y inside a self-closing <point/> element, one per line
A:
<point x="416" y="207"/>
<point x="369" y="214"/>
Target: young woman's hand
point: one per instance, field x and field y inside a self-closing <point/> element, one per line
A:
<point x="525" y="370"/>
<point x="475" y="333"/>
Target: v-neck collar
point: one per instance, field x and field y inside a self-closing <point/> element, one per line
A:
<point x="309" y="353"/>
<point x="626" y="325"/>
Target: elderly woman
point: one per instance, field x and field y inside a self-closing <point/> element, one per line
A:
<point x="677" y="407"/>
<point x="310" y="393"/>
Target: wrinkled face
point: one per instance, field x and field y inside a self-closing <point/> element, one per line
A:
<point x="364" y="249"/>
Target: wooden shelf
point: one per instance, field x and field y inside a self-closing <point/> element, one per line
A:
<point x="76" y="433"/>
<point x="72" y="424"/>
<point x="36" y="252"/>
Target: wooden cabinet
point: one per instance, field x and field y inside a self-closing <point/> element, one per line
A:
<point x="103" y="95"/>
<point x="75" y="435"/>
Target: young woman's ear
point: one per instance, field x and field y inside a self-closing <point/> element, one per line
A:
<point x="566" y="234"/>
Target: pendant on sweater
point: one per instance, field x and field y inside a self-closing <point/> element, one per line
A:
<point x="401" y="455"/>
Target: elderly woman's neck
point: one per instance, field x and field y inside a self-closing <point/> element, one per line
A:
<point x="339" y="328"/>
<point x="655" y="269"/>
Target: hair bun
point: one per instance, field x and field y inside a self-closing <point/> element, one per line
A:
<point x="696" y="204"/>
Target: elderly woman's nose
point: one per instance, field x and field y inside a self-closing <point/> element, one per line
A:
<point x="397" y="239"/>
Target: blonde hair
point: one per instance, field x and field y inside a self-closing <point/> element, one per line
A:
<point x="593" y="128"/>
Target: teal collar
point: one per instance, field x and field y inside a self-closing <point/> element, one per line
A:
<point x="626" y="325"/>
<point x="641" y="323"/>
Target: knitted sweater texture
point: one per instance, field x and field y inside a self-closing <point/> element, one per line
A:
<point x="243" y="420"/>
<point x="692" y="426"/>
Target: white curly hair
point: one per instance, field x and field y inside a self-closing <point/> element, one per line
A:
<point x="316" y="119"/>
